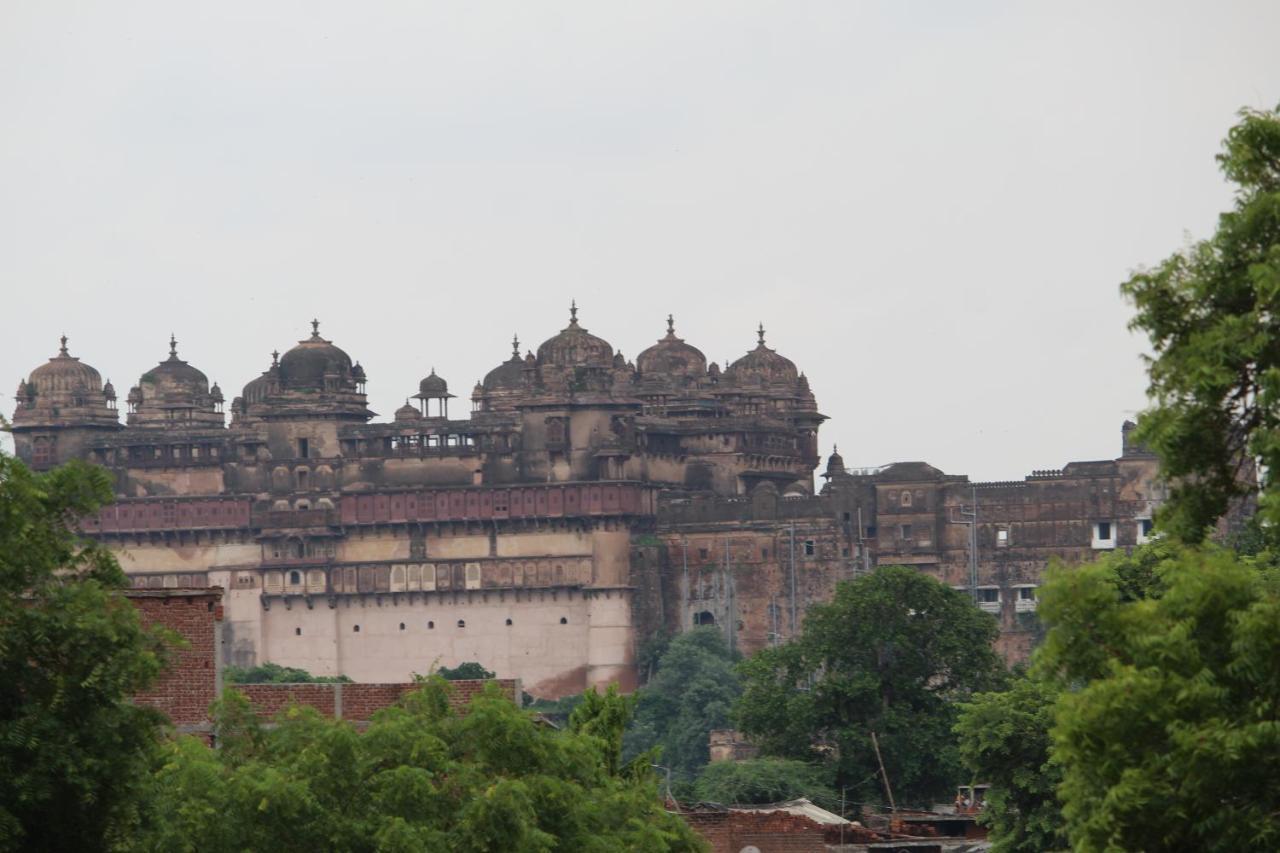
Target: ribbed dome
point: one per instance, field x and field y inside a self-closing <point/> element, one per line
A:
<point x="173" y="393"/>
<point x="174" y="377"/>
<point x="575" y="347"/>
<point x="762" y="365"/>
<point x="64" y="374"/>
<point x="508" y="376"/>
<point x="407" y="412"/>
<point x="305" y="366"/>
<point x="672" y="357"/>
<point x="256" y="389"/>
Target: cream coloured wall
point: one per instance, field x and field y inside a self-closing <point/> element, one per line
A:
<point x="611" y="556"/>
<point x="381" y="548"/>
<point x="457" y="547"/>
<point x="186" y="558"/>
<point x="562" y="544"/>
<point x="549" y="657"/>
<point x="610" y="642"/>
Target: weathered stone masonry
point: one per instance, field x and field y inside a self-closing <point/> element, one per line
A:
<point x="587" y="502"/>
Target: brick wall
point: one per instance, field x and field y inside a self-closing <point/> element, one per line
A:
<point x="189" y="682"/>
<point x="771" y="832"/>
<point x="358" y="702"/>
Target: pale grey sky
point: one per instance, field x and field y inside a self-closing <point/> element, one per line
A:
<point x="929" y="205"/>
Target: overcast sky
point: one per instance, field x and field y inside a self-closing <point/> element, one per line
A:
<point x="929" y="205"/>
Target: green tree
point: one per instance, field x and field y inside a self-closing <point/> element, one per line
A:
<point x="691" y="693"/>
<point x="419" y="778"/>
<point x="764" y="780"/>
<point x="467" y="671"/>
<point x="1166" y="730"/>
<point x="74" y="750"/>
<point x="1005" y="741"/>
<point x="1212" y="314"/>
<point x="274" y="673"/>
<point x="892" y="653"/>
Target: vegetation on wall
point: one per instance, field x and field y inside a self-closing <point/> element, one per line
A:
<point x="274" y="673"/>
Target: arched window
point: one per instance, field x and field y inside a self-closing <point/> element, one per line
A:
<point x="430" y="625"/>
<point x="295" y="578"/>
<point x="564" y="620"/>
<point x="355" y="629"/>
<point x="704" y="618"/>
<point x="508" y="622"/>
<point x="906" y="498"/>
<point x="462" y="623"/>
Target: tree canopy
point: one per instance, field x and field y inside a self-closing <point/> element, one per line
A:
<point x="468" y="670"/>
<point x="691" y="693"/>
<point x="891" y="654"/>
<point x="1005" y="741"/>
<point x="274" y="673"/>
<point x="761" y="781"/>
<point x="420" y="778"/>
<point x="74" y="750"/>
<point x="1212" y="314"/>
<point x="1165" y="730"/>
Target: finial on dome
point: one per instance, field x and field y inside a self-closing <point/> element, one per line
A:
<point x="173" y="346"/>
<point x="760" y="332"/>
<point x="275" y="357"/>
<point x="671" y="324"/>
<point x="515" y="345"/>
<point x="573" y="312"/>
<point x="63" y="349"/>
<point x="315" y="328"/>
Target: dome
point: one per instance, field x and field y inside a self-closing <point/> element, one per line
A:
<point x="508" y="376"/>
<point x="173" y="393"/>
<point x="433" y="387"/>
<point x="672" y="357"/>
<point x="109" y="391"/>
<point x="407" y="412"/>
<point x="64" y="374"/>
<point x="306" y="366"/>
<point x="575" y="347"/>
<point x="216" y="393"/>
<point x="257" y="389"/>
<point x="174" y="377"/>
<point x="762" y="365"/>
<point x="835" y="462"/>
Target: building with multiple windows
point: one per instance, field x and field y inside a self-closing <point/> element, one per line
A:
<point x="584" y="503"/>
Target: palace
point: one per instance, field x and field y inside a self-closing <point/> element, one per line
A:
<point x="586" y="504"/>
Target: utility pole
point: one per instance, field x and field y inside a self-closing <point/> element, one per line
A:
<point x="883" y="775"/>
